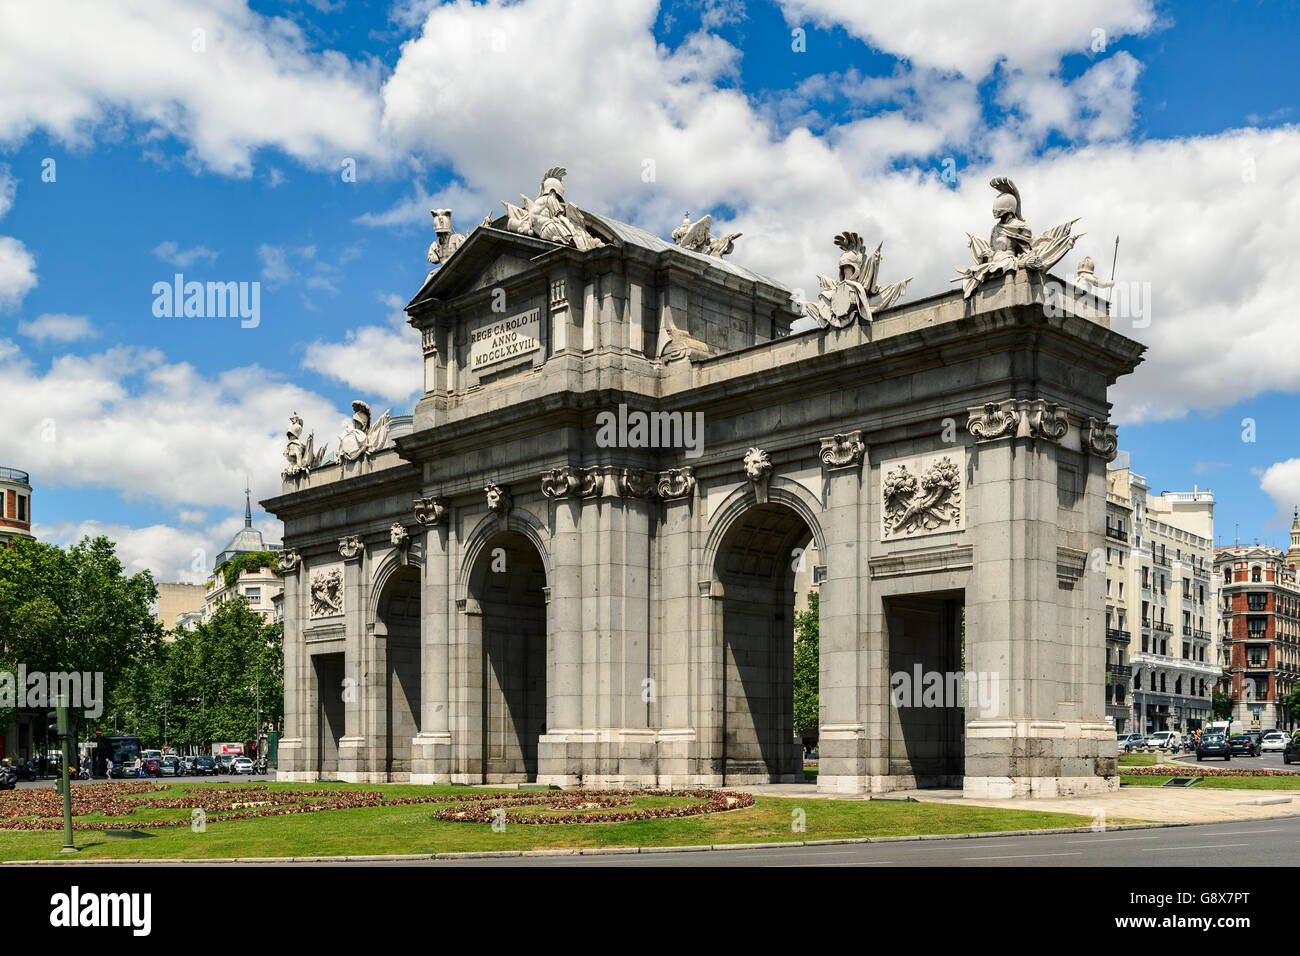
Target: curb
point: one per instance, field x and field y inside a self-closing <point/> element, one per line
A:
<point x="589" y="851"/>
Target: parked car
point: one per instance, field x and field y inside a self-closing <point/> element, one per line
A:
<point x="1164" y="739"/>
<point x="153" y="766"/>
<point x="204" y="766"/>
<point x="1292" y="751"/>
<point x="170" y="766"/>
<point x="1243" y="744"/>
<point x="1273" y="742"/>
<point x="223" y="762"/>
<point x="241" y="765"/>
<point x="1213" y="745"/>
<point x="1131" y="742"/>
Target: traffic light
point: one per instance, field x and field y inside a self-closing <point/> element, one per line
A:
<point x="51" y="725"/>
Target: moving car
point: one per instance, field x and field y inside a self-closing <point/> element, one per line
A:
<point x="1292" y="751"/>
<point x="204" y="766"/>
<point x="1274" y="741"/>
<point x="1243" y="744"/>
<point x="170" y="766"/>
<point x="241" y="765"/>
<point x="223" y="762"/>
<point x="1213" y="745"/>
<point x="1164" y="739"/>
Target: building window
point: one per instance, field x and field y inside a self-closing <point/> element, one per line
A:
<point x="22" y="507"/>
<point x="1255" y="574"/>
<point x="254" y="595"/>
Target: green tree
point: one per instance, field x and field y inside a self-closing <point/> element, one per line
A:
<point x="807" y="643"/>
<point x="1292" y="702"/>
<point x="74" y="610"/>
<point x="1221" y="705"/>
<point x="222" y="681"/>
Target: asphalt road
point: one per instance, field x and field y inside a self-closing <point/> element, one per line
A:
<point x="1274" y="842"/>
<point x="1268" y="761"/>
<point x="219" y="778"/>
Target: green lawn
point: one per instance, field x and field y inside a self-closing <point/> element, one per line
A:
<point x="410" y="829"/>
<point x="1137" y="760"/>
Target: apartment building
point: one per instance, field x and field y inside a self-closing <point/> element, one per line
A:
<point x="1162" y="666"/>
<point x="1259" y="609"/>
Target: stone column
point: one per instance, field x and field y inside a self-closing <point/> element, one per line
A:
<point x="431" y="750"/>
<point x="292" y="754"/>
<point x="353" y="762"/>
<point x="560" y="749"/>
<point x="1018" y="626"/>
<point x="854" y="722"/>
<point x="675" y="674"/>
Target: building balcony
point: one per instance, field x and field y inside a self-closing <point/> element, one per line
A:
<point x="1201" y="635"/>
<point x="1120" y="637"/>
<point x="1118" y="534"/>
<point x="1120" y="670"/>
<point x="1165" y="627"/>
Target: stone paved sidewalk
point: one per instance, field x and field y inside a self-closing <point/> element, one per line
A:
<point x="1151" y="804"/>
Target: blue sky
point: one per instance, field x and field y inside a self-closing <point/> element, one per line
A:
<point x="221" y="155"/>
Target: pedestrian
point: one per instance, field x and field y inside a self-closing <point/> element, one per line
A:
<point x="139" y="768"/>
<point x="108" y="768"/>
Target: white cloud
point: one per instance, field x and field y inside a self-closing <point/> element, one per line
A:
<point x="17" y="265"/>
<point x="171" y="253"/>
<point x="955" y="35"/>
<point x="127" y="420"/>
<point x="246" y="81"/>
<point x="1281" y="482"/>
<point x="57" y="327"/>
<point x="171" y="554"/>
<point x="383" y="360"/>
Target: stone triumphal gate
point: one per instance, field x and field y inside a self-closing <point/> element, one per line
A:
<point x="550" y="577"/>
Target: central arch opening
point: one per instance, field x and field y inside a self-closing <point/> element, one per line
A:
<point x="508" y="584"/>
<point x="756" y="567"/>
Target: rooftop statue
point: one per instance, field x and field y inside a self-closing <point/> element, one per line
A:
<point x="447" y="242"/>
<point x="549" y="216"/>
<point x="856" y="292"/>
<point x="361" y="438"/>
<point x="695" y="237"/>
<point x="1086" y="277"/>
<point x="1011" y="245"/>
<point x="302" y="456"/>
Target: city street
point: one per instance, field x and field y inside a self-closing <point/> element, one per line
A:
<point x="1273" y="842"/>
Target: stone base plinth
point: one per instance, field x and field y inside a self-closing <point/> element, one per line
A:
<point x="613" y="757"/>
<point x="1012" y="758"/>
<point x="431" y="757"/>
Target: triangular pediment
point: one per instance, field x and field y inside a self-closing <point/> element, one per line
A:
<point x="488" y="256"/>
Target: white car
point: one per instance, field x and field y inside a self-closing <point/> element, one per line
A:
<point x="241" y="765"/>
<point x="1274" y="741"/>
<point x="1164" y="739"/>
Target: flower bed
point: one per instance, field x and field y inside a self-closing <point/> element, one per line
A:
<point x="1180" y="770"/>
<point x="590" y="806"/>
<point x="43" y="809"/>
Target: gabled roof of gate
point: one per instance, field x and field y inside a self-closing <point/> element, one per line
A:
<point x="485" y="244"/>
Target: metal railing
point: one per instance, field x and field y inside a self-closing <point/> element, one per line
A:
<point x="14" y="474"/>
<point x="1115" y="634"/>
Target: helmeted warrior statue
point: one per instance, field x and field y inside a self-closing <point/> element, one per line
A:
<point x="447" y="242"/>
<point x="549" y="216"/>
<point x="1011" y="245"/>
<point x="1086" y="277"/>
<point x="856" y="293"/>
<point x="695" y="237"/>
<point x="302" y="456"/>
<point x="361" y="438"/>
